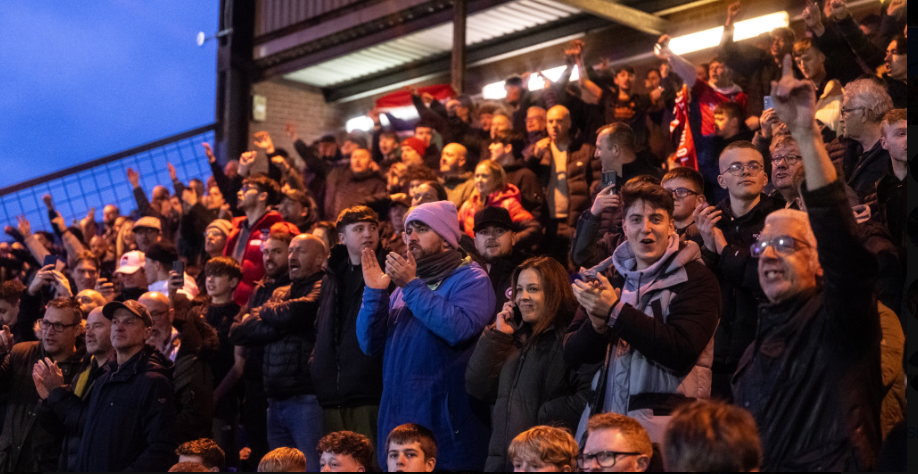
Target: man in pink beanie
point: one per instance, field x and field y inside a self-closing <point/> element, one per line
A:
<point x="426" y="331"/>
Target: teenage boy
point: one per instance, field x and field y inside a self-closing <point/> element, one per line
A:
<point x="223" y="276"/>
<point x="687" y="186"/>
<point x="411" y="448"/>
<point x="346" y="451"/>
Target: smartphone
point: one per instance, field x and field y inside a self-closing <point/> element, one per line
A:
<point x="769" y="104"/>
<point x="610" y="179"/>
<point x="178" y="266"/>
<point x="517" y="318"/>
<point x="51" y="260"/>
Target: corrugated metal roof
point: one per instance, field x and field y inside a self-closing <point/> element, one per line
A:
<point x="505" y="19"/>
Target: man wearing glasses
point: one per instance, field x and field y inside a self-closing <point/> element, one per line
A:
<point x="615" y="443"/>
<point x="728" y="230"/>
<point x="785" y="163"/>
<point x="25" y="445"/>
<point x="859" y="152"/>
<point x="810" y="379"/>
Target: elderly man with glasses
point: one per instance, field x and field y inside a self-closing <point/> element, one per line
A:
<point x="811" y="379"/>
<point x="25" y="444"/>
<point x="728" y="230"/>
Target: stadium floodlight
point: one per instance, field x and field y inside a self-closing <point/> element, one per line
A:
<point x="743" y="30"/>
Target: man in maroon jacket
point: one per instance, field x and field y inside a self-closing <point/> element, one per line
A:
<point x="244" y="242"/>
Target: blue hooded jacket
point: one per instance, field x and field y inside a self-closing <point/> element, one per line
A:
<point x="428" y="334"/>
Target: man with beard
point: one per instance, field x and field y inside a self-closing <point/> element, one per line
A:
<point x="254" y="413"/>
<point x="98" y="352"/>
<point x="427" y="331"/>
<point x="494" y="243"/>
<point x="457" y="179"/>
<point x="286" y="327"/>
<point x="244" y="241"/>
<point x="348" y="383"/>
<point x="25" y="445"/>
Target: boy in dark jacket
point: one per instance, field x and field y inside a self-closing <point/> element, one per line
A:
<point x="348" y="383"/>
<point x="286" y="325"/>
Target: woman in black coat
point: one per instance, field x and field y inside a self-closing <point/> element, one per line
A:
<point x="518" y="364"/>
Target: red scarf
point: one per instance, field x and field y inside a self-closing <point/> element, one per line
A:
<point x="685" y="154"/>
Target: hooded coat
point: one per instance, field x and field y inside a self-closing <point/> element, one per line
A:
<point x="659" y="351"/>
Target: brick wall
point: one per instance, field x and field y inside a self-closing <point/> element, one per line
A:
<point x="298" y="103"/>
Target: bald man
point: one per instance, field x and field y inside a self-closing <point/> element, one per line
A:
<point x="569" y="167"/>
<point x="192" y="377"/>
<point x="457" y="179"/>
<point x="286" y="326"/>
<point x="90" y="300"/>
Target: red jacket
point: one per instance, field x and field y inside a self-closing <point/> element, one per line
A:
<point x="253" y="267"/>
<point x="508" y="198"/>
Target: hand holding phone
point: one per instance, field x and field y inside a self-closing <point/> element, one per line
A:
<point x="769" y="103"/>
<point x="506" y="319"/>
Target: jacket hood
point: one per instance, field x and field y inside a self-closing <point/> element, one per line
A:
<point x="495" y="198"/>
<point x="677" y="256"/>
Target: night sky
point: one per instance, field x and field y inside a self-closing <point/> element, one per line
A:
<point x="81" y="80"/>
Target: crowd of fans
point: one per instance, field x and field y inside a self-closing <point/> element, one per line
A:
<point x="556" y="281"/>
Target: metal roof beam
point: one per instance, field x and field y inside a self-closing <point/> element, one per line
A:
<point x="623" y="15"/>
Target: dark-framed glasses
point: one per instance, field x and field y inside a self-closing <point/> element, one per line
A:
<point x="682" y="193"/>
<point x="56" y="327"/>
<point x="605" y="459"/>
<point x="783" y="244"/>
<point x="789" y="159"/>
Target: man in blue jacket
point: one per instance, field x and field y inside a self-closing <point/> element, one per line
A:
<point x="428" y="329"/>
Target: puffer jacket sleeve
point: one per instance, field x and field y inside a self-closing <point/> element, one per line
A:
<point x="253" y="332"/>
<point x="298" y="314"/>
<point x="456" y="318"/>
<point x="482" y="376"/>
<point x="373" y="321"/>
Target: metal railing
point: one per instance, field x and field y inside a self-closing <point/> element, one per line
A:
<point x="104" y="181"/>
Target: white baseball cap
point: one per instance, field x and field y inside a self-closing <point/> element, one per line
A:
<point x="131" y="262"/>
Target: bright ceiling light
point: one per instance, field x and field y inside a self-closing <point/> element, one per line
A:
<point x="365" y="123"/>
<point x="496" y="90"/>
<point x="743" y="30"/>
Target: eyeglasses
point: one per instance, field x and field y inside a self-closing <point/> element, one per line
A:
<point x="845" y="112"/>
<point x="682" y="193"/>
<point x="56" y="327"/>
<point x="214" y="233"/>
<point x="789" y="159"/>
<point x="783" y="244"/>
<point x="157" y="315"/>
<point x="737" y="169"/>
<point x="605" y="459"/>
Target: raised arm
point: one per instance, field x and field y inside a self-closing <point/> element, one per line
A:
<point x="849" y="300"/>
<point x="681" y="66"/>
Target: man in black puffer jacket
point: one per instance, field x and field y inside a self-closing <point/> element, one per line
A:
<point x="348" y="383"/>
<point x="286" y="326"/>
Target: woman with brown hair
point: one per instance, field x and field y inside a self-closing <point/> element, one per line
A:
<point x="518" y="365"/>
<point x="492" y="189"/>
